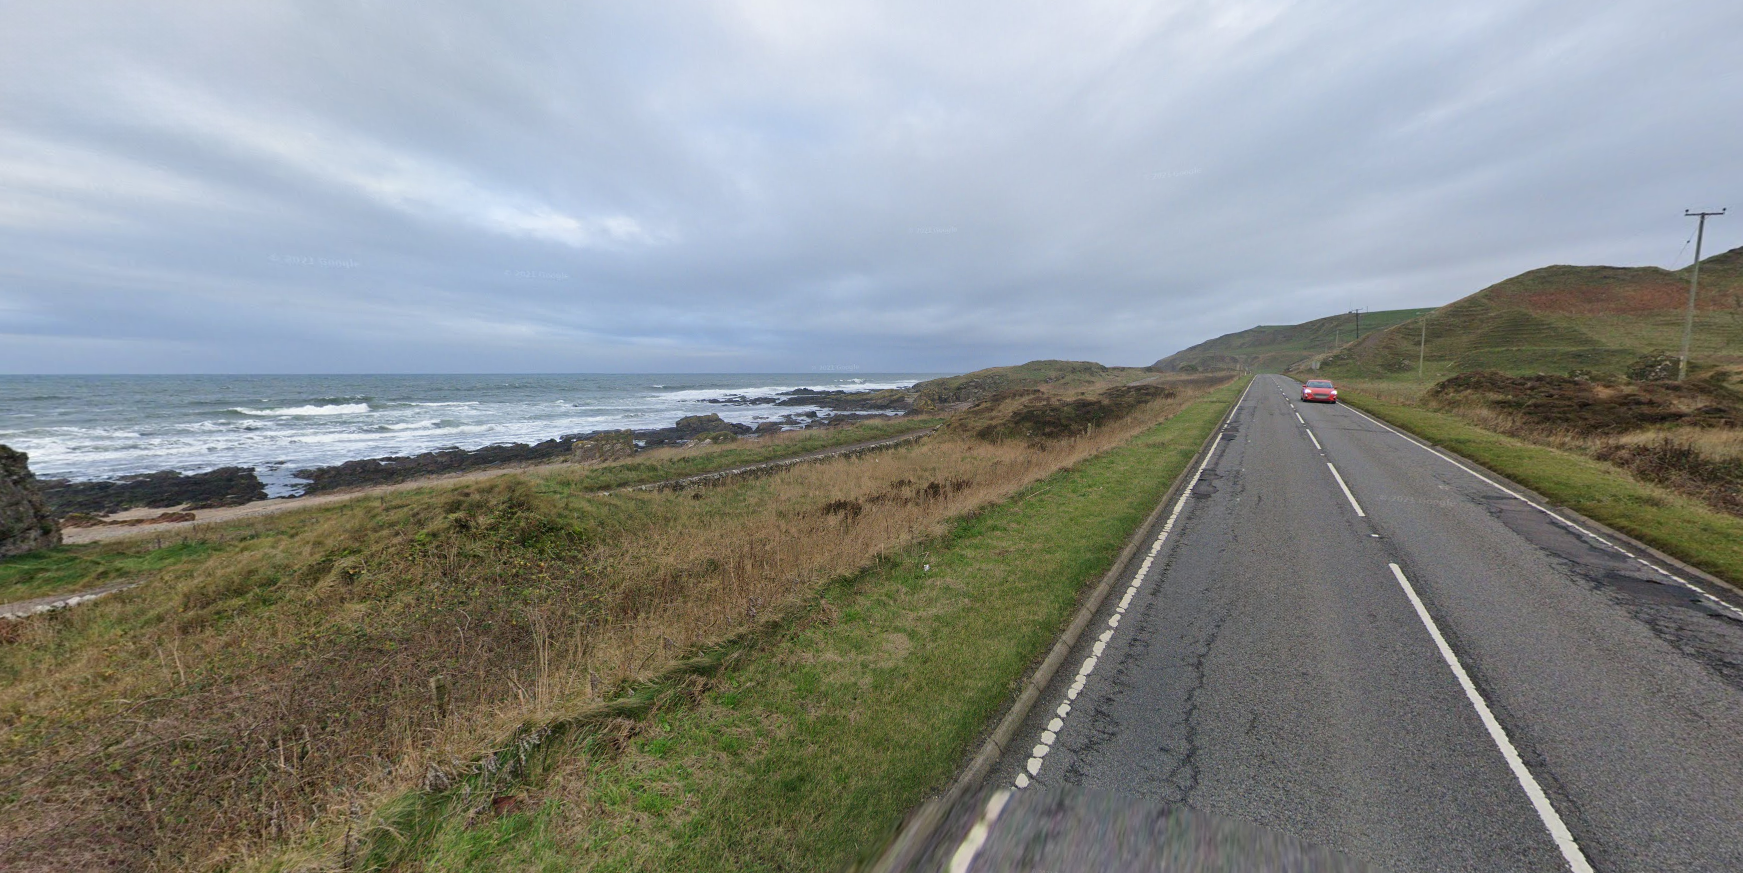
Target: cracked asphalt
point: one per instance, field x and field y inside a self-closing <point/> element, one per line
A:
<point x="1271" y="669"/>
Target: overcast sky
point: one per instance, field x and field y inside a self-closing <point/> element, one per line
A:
<point x="728" y="187"/>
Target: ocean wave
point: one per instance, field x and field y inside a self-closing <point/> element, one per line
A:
<point x="707" y="394"/>
<point x="335" y="409"/>
<point x="414" y="425"/>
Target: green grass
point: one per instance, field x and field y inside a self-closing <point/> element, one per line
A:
<point x="809" y="747"/>
<point x="73" y="568"/>
<point x="1674" y="524"/>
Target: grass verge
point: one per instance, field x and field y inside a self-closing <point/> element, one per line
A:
<point x="1672" y="523"/>
<point x="805" y="745"/>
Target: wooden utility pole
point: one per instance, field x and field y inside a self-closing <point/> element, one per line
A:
<point x="1422" y="347"/>
<point x="1688" y="322"/>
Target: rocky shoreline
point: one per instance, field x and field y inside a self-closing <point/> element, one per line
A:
<point x="87" y="501"/>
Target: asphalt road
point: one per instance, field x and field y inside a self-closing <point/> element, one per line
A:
<point x="1270" y="667"/>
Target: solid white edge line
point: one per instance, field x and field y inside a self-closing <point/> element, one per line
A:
<point x="1352" y="497"/>
<point x="976" y="836"/>
<point x="1033" y="765"/>
<point x="1551" y="513"/>
<point x="1558" y="831"/>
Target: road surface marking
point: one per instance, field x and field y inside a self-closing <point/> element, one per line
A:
<point x="959" y="862"/>
<point x="1352" y="497"/>
<point x="1051" y="735"/>
<point x="1564" y="839"/>
<point x="1299" y="418"/>
<point x="1546" y="511"/>
<point x="1315" y="442"/>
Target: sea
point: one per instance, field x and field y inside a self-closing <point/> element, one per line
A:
<point x="106" y="427"/>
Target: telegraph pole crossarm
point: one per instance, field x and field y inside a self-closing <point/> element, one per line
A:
<point x="1688" y="324"/>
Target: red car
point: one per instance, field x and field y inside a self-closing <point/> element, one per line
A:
<point x="1318" y="391"/>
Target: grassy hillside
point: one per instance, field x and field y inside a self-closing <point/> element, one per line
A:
<point x="1054" y="375"/>
<point x="1558" y="319"/>
<point x="1273" y="348"/>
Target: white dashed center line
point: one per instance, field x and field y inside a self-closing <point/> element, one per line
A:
<point x="1346" y="488"/>
<point x="1558" y="831"/>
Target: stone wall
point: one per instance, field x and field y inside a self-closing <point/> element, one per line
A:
<point x="25" y="522"/>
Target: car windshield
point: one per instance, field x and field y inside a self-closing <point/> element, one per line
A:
<point x="1318" y="383"/>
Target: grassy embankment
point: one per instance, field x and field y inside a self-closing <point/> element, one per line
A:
<point x="72" y="568"/>
<point x="285" y="681"/>
<point x="805" y="746"/>
<point x="1270" y="348"/>
<point x="1675" y="523"/>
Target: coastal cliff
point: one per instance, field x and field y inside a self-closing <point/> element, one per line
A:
<point x="25" y="522"/>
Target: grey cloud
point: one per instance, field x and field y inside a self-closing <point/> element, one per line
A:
<point x="301" y="187"/>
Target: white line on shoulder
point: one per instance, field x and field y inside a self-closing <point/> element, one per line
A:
<point x="976" y="837"/>
<point x="1032" y="767"/>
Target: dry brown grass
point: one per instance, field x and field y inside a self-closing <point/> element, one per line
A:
<point x="1676" y="436"/>
<point x="337" y="656"/>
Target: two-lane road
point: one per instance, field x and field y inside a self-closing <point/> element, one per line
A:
<point x="1349" y="638"/>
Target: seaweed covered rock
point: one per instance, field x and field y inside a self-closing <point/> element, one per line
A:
<point x="25" y="521"/>
<point x="225" y="486"/>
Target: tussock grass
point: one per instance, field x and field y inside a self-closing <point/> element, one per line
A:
<point x="283" y="685"/>
<point x="1681" y="436"/>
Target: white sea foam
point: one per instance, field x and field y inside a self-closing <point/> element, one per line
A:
<point x="334" y="409"/>
<point x="102" y="428"/>
<point x="706" y="394"/>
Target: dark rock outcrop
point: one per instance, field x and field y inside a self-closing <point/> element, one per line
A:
<point x="606" y="445"/>
<point x="690" y="427"/>
<point x="226" y="486"/>
<point x="848" y="401"/>
<point x="25" y="521"/>
<point x="400" y="468"/>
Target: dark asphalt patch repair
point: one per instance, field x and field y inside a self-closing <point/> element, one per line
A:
<point x="1661" y="605"/>
<point x="1203" y="487"/>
